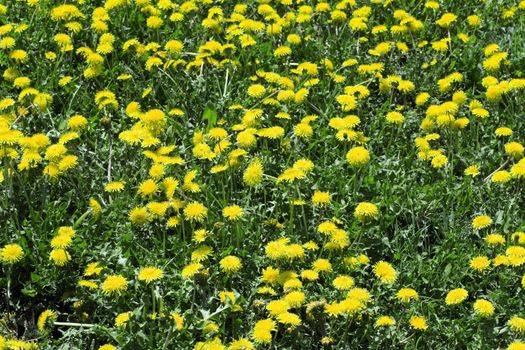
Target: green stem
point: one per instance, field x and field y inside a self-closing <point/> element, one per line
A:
<point x="153" y="299"/>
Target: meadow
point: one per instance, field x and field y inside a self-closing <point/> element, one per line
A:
<point x="262" y="174"/>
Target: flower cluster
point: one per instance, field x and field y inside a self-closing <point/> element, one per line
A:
<point x="206" y="174"/>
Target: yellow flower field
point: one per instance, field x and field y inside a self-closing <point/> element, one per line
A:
<point x="262" y="174"/>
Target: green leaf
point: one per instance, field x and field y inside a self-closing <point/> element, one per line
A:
<point x="210" y="114"/>
<point x="29" y="291"/>
<point x="35" y="277"/>
<point x="447" y="270"/>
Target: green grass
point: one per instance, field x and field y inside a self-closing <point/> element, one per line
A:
<point x="424" y="227"/>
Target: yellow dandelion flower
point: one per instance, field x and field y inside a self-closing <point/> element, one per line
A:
<point x="483" y="308"/>
<point x="385" y="321"/>
<point x="46" y="317"/>
<point x="241" y="344"/>
<point x="385" y="272"/>
<point x="358" y="156"/>
<point x="495" y="239"/>
<point x="107" y="347"/>
<point x="343" y="282"/>
<point x="232" y="212"/>
<point x="289" y="318"/>
<point x="230" y="264"/>
<point x="195" y="211"/>
<point x="88" y="284"/>
<point x="480" y="263"/>
<point x="516" y="345"/>
<point x="93" y="269"/>
<point x="320" y="198"/>
<point x="322" y="265"/>
<point x="148" y="188"/>
<point x="122" y="319"/>
<point x="191" y="270"/>
<point x="407" y="294"/>
<point x="472" y="170"/>
<point x="150" y="273"/>
<point x="60" y="257"/>
<point x="262" y="331"/>
<point x="501" y="176"/>
<point x="115" y="186"/>
<point x="517" y="324"/>
<point x="366" y="210"/>
<point x="418" y="323"/>
<point x="456" y="296"/>
<point x="253" y="173"/>
<point x="114" y="284"/>
<point x="481" y="222"/>
<point x="139" y="216"/>
<point x="11" y="253"/>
